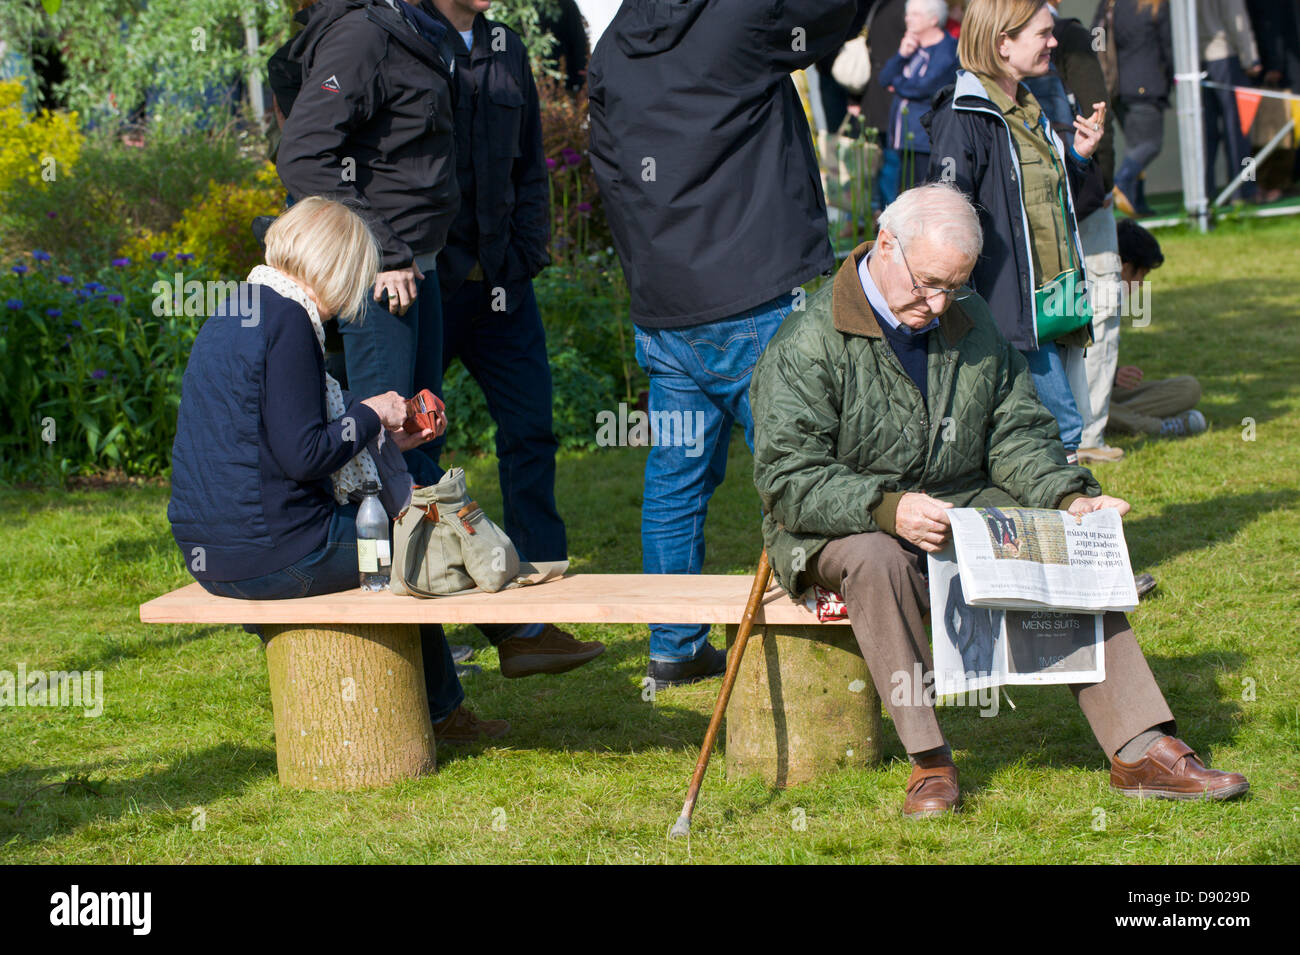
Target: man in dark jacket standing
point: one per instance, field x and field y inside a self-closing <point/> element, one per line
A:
<point x="496" y="245"/>
<point x="704" y="161"/>
<point x="372" y="125"/>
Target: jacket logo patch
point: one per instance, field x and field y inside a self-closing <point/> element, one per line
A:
<point x="331" y="85"/>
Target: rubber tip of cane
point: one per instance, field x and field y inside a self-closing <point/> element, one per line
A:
<point x="681" y="828"/>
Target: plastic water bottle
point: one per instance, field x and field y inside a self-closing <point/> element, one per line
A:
<point x="374" y="554"/>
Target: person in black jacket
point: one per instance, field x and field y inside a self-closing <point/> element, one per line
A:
<point x="705" y="165"/>
<point x="372" y="124"/>
<point x="271" y="455"/>
<point x="496" y="245"/>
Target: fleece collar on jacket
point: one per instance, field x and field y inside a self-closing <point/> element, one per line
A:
<point x="852" y="315"/>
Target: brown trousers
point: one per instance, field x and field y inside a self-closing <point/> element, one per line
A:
<point x="887" y="600"/>
<point x="1142" y="410"/>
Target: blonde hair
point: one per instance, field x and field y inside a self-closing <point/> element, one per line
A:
<point x="983" y="26"/>
<point x="330" y="249"/>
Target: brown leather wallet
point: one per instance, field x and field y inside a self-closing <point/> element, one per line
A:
<point x="425" y="410"/>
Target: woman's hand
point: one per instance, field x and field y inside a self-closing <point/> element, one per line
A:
<point x="391" y="408"/>
<point x="1088" y="130"/>
<point x="405" y="441"/>
<point x="1086" y="505"/>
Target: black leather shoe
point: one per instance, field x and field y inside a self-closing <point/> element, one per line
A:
<point x="710" y="663"/>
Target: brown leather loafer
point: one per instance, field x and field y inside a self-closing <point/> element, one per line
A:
<point x="551" y="651"/>
<point x="932" y="788"/>
<point x="464" y="727"/>
<point x="1171" y="770"/>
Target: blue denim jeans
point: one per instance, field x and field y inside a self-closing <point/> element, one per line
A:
<point x="333" y="568"/>
<point x="403" y="353"/>
<point x="701" y="371"/>
<point x="1047" y="368"/>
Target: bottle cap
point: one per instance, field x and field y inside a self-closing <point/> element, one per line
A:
<point x="370" y="487"/>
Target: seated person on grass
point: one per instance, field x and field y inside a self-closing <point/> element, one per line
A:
<point x="890" y="399"/>
<point x="270" y="456"/>
<point x="1166" y="407"/>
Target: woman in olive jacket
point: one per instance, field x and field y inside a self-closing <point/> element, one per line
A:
<point x="989" y="138"/>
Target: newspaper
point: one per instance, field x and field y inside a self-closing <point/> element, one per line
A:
<point x="1025" y="558"/>
<point x="980" y="647"/>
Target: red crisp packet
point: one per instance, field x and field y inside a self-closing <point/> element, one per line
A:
<point x="826" y="604"/>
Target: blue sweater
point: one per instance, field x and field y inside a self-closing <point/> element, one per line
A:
<point x="915" y="80"/>
<point x="254" y="450"/>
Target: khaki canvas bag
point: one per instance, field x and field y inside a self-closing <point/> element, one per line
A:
<point x="443" y="544"/>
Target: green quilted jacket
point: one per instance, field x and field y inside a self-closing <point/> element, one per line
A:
<point x="841" y="431"/>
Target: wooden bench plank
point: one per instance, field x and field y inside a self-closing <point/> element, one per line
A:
<point x="575" y="598"/>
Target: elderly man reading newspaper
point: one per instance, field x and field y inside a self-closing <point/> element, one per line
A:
<point x="889" y="400"/>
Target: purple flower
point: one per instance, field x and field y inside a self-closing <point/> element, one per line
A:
<point x="20" y="269"/>
<point x="40" y="255"/>
<point x="551" y="164"/>
<point x="115" y="299"/>
<point x="54" y="313"/>
<point x="80" y="293"/>
<point x="158" y="256"/>
<point x="93" y="287"/>
<point x="67" y="341"/>
<point x="99" y="374"/>
<point x="51" y="214"/>
<point x="65" y="279"/>
<point x="76" y="324"/>
<point x="14" y="304"/>
<point x="121" y="263"/>
<point x="584" y="208"/>
<point x="184" y="257"/>
<point x="571" y="158"/>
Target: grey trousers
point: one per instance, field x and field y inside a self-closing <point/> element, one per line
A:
<point x="887" y="600"/>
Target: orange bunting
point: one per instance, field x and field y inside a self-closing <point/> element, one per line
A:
<point x="1247" y="106"/>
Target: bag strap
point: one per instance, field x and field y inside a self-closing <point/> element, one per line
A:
<point x="1061" y="185"/>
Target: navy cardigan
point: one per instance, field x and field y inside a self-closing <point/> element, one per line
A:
<point x="254" y="448"/>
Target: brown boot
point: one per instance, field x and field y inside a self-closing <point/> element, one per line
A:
<point x="1171" y="770"/>
<point x="551" y="651"/>
<point x="932" y="788"/>
<point x="464" y="727"/>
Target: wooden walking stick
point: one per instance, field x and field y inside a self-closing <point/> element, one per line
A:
<point x="682" y="827"/>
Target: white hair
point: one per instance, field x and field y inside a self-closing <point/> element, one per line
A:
<point x="939" y="211"/>
<point x="935" y="8"/>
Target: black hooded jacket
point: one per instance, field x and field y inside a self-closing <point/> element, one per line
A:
<point x="373" y="123"/>
<point x="702" y="153"/>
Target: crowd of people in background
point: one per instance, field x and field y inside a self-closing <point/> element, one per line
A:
<point x="1244" y="43"/>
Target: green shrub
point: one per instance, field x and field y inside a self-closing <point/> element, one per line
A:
<point x="92" y="375"/>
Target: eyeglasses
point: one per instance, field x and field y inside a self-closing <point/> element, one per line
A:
<point x="957" y="294"/>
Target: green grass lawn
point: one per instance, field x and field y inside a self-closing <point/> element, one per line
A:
<point x="182" y="761"/>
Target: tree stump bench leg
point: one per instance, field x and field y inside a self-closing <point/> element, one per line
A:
<point x="803" y="705"/>
<point x="351" y="710"/>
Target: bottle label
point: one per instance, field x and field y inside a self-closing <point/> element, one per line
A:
<point x="368" y="556"/>
<point x="383" y="553"/>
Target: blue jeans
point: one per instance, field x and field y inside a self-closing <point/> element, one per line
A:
<point x="333" y="568"/>
<point x="1053" y="385"/>
<point x="402" y="353"/>
<point x="505" y="353"/>
<point x="703" y="372"/>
